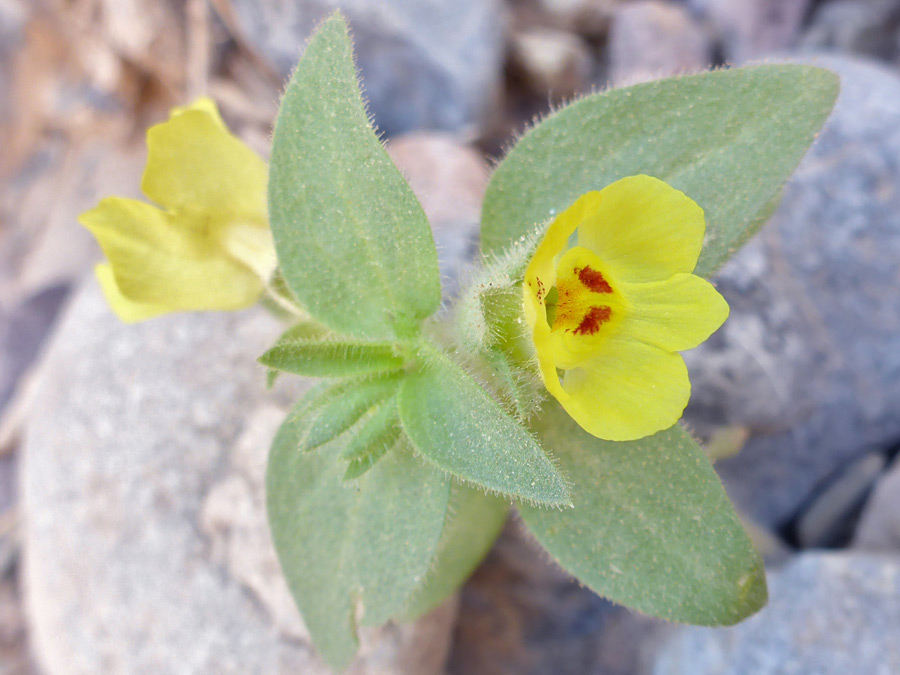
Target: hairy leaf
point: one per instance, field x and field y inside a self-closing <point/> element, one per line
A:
<point x="454" y="423"/>
<point x="332" y="358"/>
<point x="373" y="439"/>
<point x="474" y="521"/>
<point x="728" y="139"/>
<point x="652" y="528"/>
<point x="353" y="242"/>
<point x="344" y="405"/>
<point x="341" y="545"/>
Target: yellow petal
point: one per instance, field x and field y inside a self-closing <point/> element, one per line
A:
<point x="194" y="165"/>
<point x="626" y="391"/>
<point x="540" y="275"/>
<point x="203" y="104"/>
<point x="168" y="261"/>
<point x="644" y="230"/>
<point x="127" y="310"/>
<point x="675" y="314"/>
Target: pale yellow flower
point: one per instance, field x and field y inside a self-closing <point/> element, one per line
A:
<point x="209" y="247"/>
<point x="609" y="312"/>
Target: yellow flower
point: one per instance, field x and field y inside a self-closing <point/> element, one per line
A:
<point x="209" y="247"/>
<point x="609" y="312"/>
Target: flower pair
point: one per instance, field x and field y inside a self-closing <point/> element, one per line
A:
<point x="610" y="300"/>
<point x="209" y="247"/>
<point x="608" y="295"/>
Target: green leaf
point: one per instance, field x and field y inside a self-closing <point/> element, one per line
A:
<point x="369" y="542"/>
<point x="352" y="240"/>
<point x="332" y="358"/>
<point x="454" y="423"/>
<point x="652" y="528"/>
<point x="375" y="437"/>
<point x="474" y="521"/>
<point x="728" y="139"/>
<point x="302" y="330"/>
<point x="344" y="405"/>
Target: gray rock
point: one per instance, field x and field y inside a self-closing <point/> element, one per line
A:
<point x="425" y="64"/>
<point x="521" y="615"/>
<point x="749" y="29"/>
<point x="13" y="643"/>
<point x="22" y="331"/>
<point x="865" y="27"/>
<point x="590" y="18"/>
<point x="829" y="519"/>
<point x="879" y="525"/>
<point x="650" y="39"/>
<point x="551" y="63"/>
<point x="146" y="548"/>
<point x="810" y="357"/>
<point x="829" y="614"/>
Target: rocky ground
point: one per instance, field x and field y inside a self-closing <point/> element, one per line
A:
<point x="132" y="534"/>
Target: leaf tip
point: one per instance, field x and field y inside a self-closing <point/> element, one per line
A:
<point x="753" y="591"/>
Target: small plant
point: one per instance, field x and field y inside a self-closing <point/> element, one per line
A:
<point x="553" y="384"/>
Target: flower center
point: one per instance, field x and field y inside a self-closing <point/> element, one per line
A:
<point x="586" y="302"/>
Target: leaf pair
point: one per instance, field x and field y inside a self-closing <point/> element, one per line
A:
<point x="369" y="548"/>
<point x="355" y="248"/>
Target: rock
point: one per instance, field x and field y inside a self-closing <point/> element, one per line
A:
<point x="650" y="39"/>
<point x="13" y="644"/>
<point x="43" y="246"/>
<point x="810" y="357"/>
<point x="865" y="27"/>
<point x="22" y="332"/>
<point x="589" y="18"/>
<point x="522" y="615"/>
<point x="829" y="519"/>
<point x="146" y="549"/>
<point x="449" y="179"/>
<point x="750" y="29"/>
<point x="828" y="613"/>
<point x="879" y="525"/>
<point x="425" y="65"/>
<point x="551" y="63"/>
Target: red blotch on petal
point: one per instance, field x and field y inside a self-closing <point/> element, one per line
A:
<point x="593" y="280"/>
<point x="592" y="321"/>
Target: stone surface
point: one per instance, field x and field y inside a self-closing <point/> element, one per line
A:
<point x="810" y="358"/>
<point x="829" y="614"/>
<point x="13" y="653"/>
<point x="553" y="63"/>
<point x="425" y="64"/>
<point x="879" y="525"/>
<point x="750" y="29"/>
<point x="866" y="27"/>
<point x="522" y="615"/>
<point x="146" y="549"/>
<point x="590" y="18"/>
<point x="22" y="332"/>
<point x="40" y="245"/>
<point x="829" y="520"/>
<point x="650" y="39"/>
